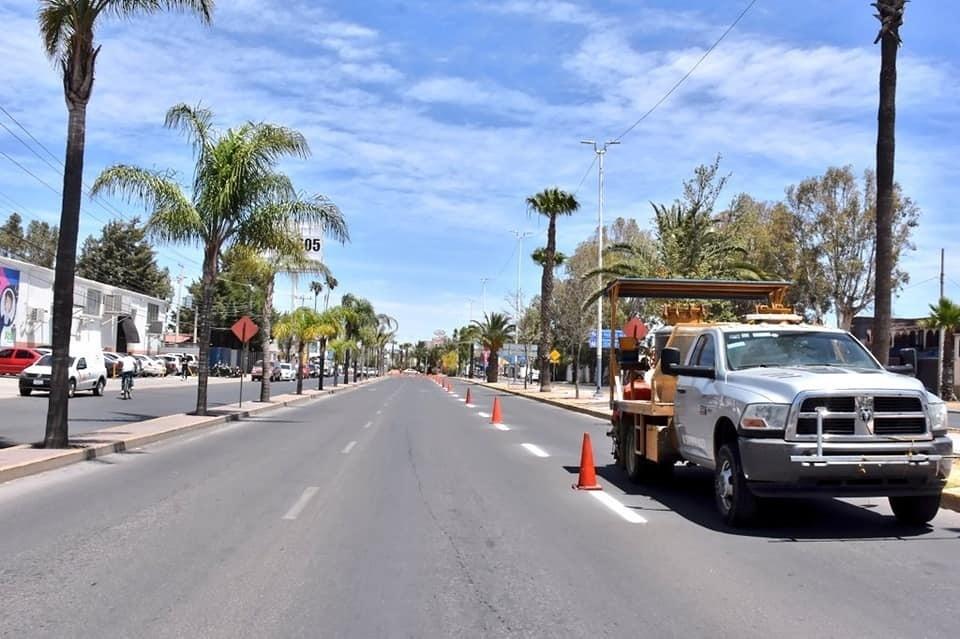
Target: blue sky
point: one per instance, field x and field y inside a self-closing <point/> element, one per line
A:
<point x="430" y="122"/>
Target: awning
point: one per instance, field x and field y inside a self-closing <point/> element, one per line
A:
<point x="129" y="329"/>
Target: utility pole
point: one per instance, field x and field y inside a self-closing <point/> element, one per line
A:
<point x="520" y="237"/>
<point x="942" y="351"/>
<point x="483" y="295"/>
<point x="179" y="287"/>
<point x="601" y="151"/>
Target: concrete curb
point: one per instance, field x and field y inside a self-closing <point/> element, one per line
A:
<point x="950" y="500"/>
<point x="543" y="400"/>
<point x="64" y="457"/>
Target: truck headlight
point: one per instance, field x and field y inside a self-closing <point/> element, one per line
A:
<point x="939" y="417"/>
<point x="768" y="416"/>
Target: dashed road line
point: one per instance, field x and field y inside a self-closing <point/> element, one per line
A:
<point x="301" y="503"/>
<point x="501" y="427"/>
<point x="349" y="447"/>
<point x="483" y="414"/>
<point x="368" y="425"/>
<point x="613" y="504"/>
<point x="535" y="450"/>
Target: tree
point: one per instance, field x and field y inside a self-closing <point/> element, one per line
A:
<point x="303" y="326"/>
<point x="890" y="14"/>
<point x="331" y="283"/>
<point x="122" y="257"/>
<point x="572" y="321"/>
<point x="316" y="288"/>
<point x="40" y="244"/>
<point x="550" y="203"/>
<point x="494" y="331"/>
<point x="358" y="313"/>
<point x="237" y="199"/>
<point x="11" y="236"/>
<point x="539" y="256"/>
<point x="331" y="325"/>
<point x="67" y="29"/>
<point x="834" y="225"/>
<point x="946" y="315"/>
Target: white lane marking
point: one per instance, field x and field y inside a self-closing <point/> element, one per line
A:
<point x="379" y="412"/>
<point x="617" y="507"/>
<point x="301" y="503"/>
<point x="483" y="414"/>
<point x="535" y="450"/>
<point x="501" y="427"/>
<point x="454" y="395"/>
<point x="349" y="447"/>
<point x="470" y="405"/>
<point x="368" y="425"/>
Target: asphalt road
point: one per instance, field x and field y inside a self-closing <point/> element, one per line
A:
<point x="23" y="419"/>
<point x="395" y="511"/>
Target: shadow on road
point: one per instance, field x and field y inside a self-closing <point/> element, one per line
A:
<point x="689" y="493"/>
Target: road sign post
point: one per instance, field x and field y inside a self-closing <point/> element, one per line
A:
<point x="244" y="329"/>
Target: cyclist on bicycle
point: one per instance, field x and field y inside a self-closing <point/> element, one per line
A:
<point x="128" y="366"/>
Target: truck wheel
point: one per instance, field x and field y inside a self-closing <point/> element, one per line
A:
<point x="631" y="461"/>
<point x="915" y="510"/>
<point x="25" y="392"/>
<point x="737" y="505"/>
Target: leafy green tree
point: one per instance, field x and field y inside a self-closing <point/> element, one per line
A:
<point x="890" y="14"/>
<point x="302" y="325"/>
<point x="572" y="321"/>
<point x="11" y="236"/>
<point x="550" y="203"/>
<point x="40" y="244"/>
<point x="67" y="30"/>
<point x="835" y="222"/>
<point x="358" y="314"/>
<point x="122" y="257"/>
<point x="237" y="199"/>
<point x="946" y="315"/>
<point x="494" y="331"/>
<point x="331" y="326"/>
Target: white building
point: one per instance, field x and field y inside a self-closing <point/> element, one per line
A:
<point x="106" y="317"/>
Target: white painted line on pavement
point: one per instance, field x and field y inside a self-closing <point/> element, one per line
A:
<point x="379" y="412"/>
<point x="470" y="405"/>
<point x="501" y="427"/>
<point x="617" y="507"/>
<point x="454" y="395"/>
<point x="483" y="414"/>
<point x="535" y="450"/>
<point x="301" y="503"/>
<point x="349" y="447"/>
<point x="368" y="425"/>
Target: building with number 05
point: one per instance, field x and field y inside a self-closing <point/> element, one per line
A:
<point x="104" y="316"/>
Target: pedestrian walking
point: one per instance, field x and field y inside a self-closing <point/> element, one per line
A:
<point x="184" y="368"/>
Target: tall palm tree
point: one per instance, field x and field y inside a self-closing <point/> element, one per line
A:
<point x="237" y="199"/>
<point x="540" y="257"/>
<point x="303" y="326"/>
<point x="494" y="331"/>
<point x="359" y="314"/>
<point x="946" y="315"/>
<point x="890" y="14"/>
<point x="551" y="203"/>
<point x="67" y="28"/>
<point x="316" y="288"/>
<point x="331" y="283"/>
<point x="331" y="325"/>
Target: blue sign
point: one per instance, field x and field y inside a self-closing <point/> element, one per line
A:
<point x="592" y="339"/>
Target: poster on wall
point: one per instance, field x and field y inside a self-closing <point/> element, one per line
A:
<point x="9" y="296"/>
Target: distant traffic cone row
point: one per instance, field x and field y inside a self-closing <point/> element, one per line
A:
<point x="496" y="417"/>
<point x="588" y="474"/>
<point x="469" y="399"/>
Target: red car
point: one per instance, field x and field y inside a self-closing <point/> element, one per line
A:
<point x="14" y="360"/>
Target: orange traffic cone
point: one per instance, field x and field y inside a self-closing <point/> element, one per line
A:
<point x="588" y="474"/>
<point x="496" y="417"/>
<point x="469" y="399"/>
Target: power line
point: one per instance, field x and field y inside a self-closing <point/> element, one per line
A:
<point x="585" y="174"/>
<point x="688" y="73"/>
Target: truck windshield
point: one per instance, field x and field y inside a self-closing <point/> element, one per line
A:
<point x="795" y="348"/>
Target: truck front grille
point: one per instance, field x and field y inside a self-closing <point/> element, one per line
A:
<point x="890" y="415"/>
<point x="831" y="425"/>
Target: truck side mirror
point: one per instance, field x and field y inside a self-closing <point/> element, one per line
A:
<point x="669" y="361"/>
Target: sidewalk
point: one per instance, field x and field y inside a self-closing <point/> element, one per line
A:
<point x="562" y="396"/>
<point x="9" y="386"/>
<point x="20" y="461"/>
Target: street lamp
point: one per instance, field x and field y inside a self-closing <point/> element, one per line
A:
<point x="516" y="356"/>
<point x="600" y="150"/>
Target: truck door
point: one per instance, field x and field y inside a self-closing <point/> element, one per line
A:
<point x="697" y="403"/>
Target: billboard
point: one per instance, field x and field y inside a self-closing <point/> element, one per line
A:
<point x="9" y="300"/>
<point x="592" y="339"/>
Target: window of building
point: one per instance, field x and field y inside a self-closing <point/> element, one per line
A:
<point x="91" y="305"/>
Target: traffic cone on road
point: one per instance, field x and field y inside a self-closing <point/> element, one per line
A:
<point x="469" y="399"/>
<point x="496" y="417"/>
<point x="588" y="474"/>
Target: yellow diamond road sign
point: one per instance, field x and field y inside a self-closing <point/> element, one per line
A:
<point x="554" y="356"/>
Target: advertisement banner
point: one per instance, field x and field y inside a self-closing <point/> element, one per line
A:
<point x="9" y="300"/>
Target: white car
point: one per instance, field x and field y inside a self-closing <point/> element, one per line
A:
<point x="150" y="367"/>
<point x="87" y="372"/>
<point x="287" y="372"/>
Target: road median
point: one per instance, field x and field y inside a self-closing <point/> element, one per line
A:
<point x="25" y="460"/>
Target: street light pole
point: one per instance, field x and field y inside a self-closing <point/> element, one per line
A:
<point x="601" y="151"/>
<point x="520" y="236"/>
<point x="483" y="295"/>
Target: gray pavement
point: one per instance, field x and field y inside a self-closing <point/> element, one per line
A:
<point x="395" y="511"/>
<point x="22" y="419"/>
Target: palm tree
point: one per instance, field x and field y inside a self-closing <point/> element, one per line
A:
<point x="358" y="314"/>
<point x="945" y="315"/>
<point x="494" y="331"/>
<point x="890" y="14"/>
<point x="303" y="326"/>
<point x="331" y="324"/>
<point x="236" y="199"/>
<point x="331" y="282"/>
<point x="316" y="288"/>
<point x="67" y="28"/>
<point x="540" y="257"/>
<point x="550" y="203"/>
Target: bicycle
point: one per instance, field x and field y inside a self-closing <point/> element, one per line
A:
<point x="126" y="387"/>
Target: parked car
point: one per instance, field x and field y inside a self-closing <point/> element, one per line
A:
<point x="14" y="360"/>
<point x="111" y="362"/>
<point x="87" y="372"/>
<point x="256" y="373"/>
<point x="286" y="372"/>
<point x="149" y="367"/>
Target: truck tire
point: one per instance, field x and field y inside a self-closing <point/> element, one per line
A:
<point x="737" y="505"/>
<point x="915" y="510"/>
<point x="638" y="468"/>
